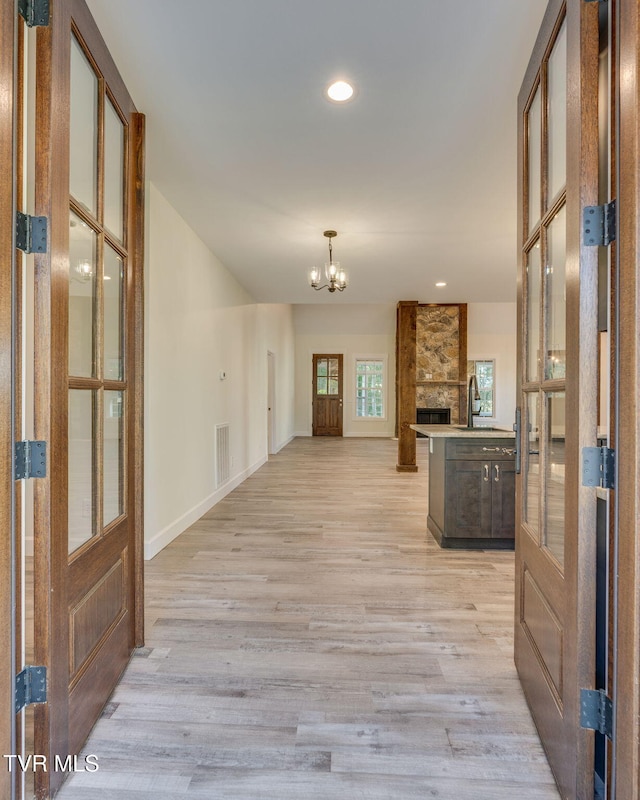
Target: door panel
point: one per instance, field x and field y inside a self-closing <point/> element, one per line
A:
<point x="88" y="551"/>
<point x="557" y="386"/>
<point x="327" y="395"/>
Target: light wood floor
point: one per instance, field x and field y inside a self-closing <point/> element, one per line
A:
<point x="307" y="639"/>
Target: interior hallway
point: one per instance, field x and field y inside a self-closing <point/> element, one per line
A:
<point x="308" y="639"/>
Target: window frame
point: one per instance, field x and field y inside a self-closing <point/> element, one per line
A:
<point x="383" y="359"/>
<point x="475" y="362"/>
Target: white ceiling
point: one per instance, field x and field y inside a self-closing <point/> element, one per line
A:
<point x="417" y="173"/>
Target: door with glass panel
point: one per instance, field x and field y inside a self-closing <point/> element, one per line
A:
<point x="88" y="514"/>
<point x="557" y="386"/>
<point x="327" y="395"/>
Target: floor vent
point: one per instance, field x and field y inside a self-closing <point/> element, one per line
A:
<point x="223" y="458"/>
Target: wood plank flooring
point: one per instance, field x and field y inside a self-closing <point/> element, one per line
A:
<point x="307" y="639"/>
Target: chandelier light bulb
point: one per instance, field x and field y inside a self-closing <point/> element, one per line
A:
<point x="331" y="269"/>
<point x="314" y="277"/>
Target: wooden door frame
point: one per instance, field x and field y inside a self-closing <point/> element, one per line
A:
<point x="7" y="254"/>
<point x="627" y="445"/>
<point x="51" y="337"/>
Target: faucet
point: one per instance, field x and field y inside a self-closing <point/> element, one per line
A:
<point x="474" y="394"/>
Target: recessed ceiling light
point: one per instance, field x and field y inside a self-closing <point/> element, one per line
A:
<point x="441" y="284"/>
<point x="340" y="91"/>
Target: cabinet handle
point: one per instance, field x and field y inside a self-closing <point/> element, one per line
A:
<point x="491" y="449"/>
<point x="486" y="473"/>
<point x="497" y="469"/>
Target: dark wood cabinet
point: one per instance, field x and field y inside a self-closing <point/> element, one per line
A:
<point x="472" y="492"/>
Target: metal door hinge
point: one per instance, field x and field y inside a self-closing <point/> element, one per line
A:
<point x="599" y="225"/>
<point x="34" y="12"/>
<point x="31" y="233"/>
<point x="30" y="460"/>
<point x="596" y="711"/>
<point x="31" y="687"/>
<point x="598" y="467"/>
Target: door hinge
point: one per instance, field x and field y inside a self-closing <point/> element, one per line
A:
<point x="31" y="687"/>
<point x="598" y="467"/>
<point x="31" y="233"/>
<point x="34" y="12"/>
<point x="599" y="225"/>
<point x="30" y="460"/>
<point x="596" y="711"/>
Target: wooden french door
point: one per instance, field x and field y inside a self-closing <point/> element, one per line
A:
<point x="88" y="379"/>
<point x="557" y="386"/>
<point x="327" y="395"/>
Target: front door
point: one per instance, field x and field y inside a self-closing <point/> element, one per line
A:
<point x="327" y="395"/>
<point x="88" y="379"/>
<point x="557" y="386"/>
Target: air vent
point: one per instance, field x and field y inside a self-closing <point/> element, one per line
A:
<point x="223" y="459"/>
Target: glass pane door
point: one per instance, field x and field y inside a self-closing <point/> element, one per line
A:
<point x="89" y="182"/>
<point x="97" y="308"/>
<point x="557" y="376"/>
<point x="546" y="307"/>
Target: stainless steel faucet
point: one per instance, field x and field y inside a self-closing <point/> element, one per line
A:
<point x="474" y="394"/>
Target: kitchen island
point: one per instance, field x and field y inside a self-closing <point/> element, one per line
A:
<point x="471" y="486"/>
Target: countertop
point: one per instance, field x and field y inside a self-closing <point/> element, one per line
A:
<point x="459" y="432"/>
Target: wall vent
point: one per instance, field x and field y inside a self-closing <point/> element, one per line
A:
<point x="223" y="457"/>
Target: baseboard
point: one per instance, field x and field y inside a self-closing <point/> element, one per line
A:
<point x="371" y="435"/>
<point x="158" y="542"/>
<point x="351" y="435"/>
<point x="285" y="443"/>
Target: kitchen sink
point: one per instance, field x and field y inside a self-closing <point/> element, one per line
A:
<point x="479" y="428"/>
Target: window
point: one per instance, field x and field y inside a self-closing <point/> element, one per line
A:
<point x="370" y="387"/>
<point x="485" y="372"/>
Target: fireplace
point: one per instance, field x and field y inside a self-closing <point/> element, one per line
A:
<point x="433" y="416"/>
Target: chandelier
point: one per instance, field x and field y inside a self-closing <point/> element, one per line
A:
<point x="336" y="276"/>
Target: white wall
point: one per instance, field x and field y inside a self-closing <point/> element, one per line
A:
<point x="353" y="330"/>
<point x="199" y="323"/>
<point x="491" y="333"/>
<point x="370" y="330"/>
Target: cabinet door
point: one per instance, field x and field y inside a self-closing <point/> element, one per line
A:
<point x="503" y="499"/>
<point x="468" y="511"/>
